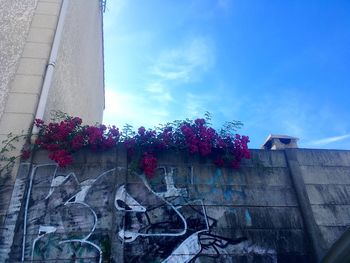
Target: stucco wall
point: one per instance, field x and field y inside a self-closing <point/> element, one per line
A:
<point x="15" y="19"/>
<point x="27" y="29"/>
<point x="78" y="86"/>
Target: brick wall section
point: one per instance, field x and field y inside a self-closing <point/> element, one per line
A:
<point x="98" y="209"/>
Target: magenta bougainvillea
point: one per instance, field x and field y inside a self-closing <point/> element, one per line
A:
<point x="196" y="137"/>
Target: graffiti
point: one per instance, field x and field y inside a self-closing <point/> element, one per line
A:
<point x="248" y="218"/>
<point x="217" y="185"/>
<point x="69" y="220"/>
<point x="97" y="216"/>
<point x="174" y="227"/>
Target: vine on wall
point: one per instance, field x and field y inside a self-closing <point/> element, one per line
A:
<point x="7" y="147"/>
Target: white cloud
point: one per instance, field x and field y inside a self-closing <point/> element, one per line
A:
<point x="159" y="92"/>
<point x="329" y="140"/>
<point x="291" y="112"/>
<point x="197" y="104"/>
<point x="124" y="107"/>
<point x="155" y="87"/>
<point x="186" y="62"/>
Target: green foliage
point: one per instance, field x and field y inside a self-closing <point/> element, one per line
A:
<point x="57" y="116"/>
<point x="7" y="146"/>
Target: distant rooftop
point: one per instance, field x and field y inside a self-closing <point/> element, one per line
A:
<point x="278" y="142"/>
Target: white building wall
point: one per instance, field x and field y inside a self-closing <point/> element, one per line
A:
<point x="78" y="83"/>
<point x="27" y="29"/>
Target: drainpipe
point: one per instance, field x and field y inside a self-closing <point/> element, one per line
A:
<point x="50" y="68"/>
<point x="45" y="90"/>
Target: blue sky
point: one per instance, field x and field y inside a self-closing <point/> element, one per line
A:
<point x="280" y="67"/>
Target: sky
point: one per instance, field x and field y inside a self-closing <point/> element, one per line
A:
<point x="280" y="67"/>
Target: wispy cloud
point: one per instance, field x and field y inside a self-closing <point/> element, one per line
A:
<point x="186" y="62"/>
<point x="197" y="104"/>
<point x="159" y="92"/>
<point x="329" y="140"/>
<point x="124" y="107"/>
<point x="291" y="112"/>
<point x="175" y="66"/>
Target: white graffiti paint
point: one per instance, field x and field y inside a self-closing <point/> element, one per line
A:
<point x="34" y="168"/>
<point x="129" y="236"/>
<point x="191" y="247"/>
<point x="122" y="196"/>
<point x="171" y="190"/>
<point x="43" y="230"/>
<point x="188" y="249"/>
<point x="76" y="199"/>
<point x="57" y="181"/>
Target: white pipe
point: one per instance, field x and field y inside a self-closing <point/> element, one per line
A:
<point x="50" y="66"/>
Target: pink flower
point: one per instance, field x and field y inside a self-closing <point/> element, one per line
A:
<point x="199" y="122"/>
<point x="114" y="131"/>
<point x="77" y="120"/>
<point x="141" y="131"/>
<point x="61" y="157"/>
<point x="148" y="164"/>
<point x="77" y="142"/>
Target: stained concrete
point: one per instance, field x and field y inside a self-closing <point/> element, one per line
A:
<point x="270" y="210"/>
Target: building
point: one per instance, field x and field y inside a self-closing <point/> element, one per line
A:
<point x="51" y="58"/>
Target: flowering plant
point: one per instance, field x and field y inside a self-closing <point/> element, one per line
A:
<point x="63" y="138"/>
<point x="225" y="148"/>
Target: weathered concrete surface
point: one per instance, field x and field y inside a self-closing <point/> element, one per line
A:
<point x="97" y="210"/>
<point x="313" y="231"/>
<point x="325" y="175"/>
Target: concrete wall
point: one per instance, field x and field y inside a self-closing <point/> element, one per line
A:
<point x="326" y="178"/>
<point x="280" y="206"/>
<point x="78" y="84"/>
